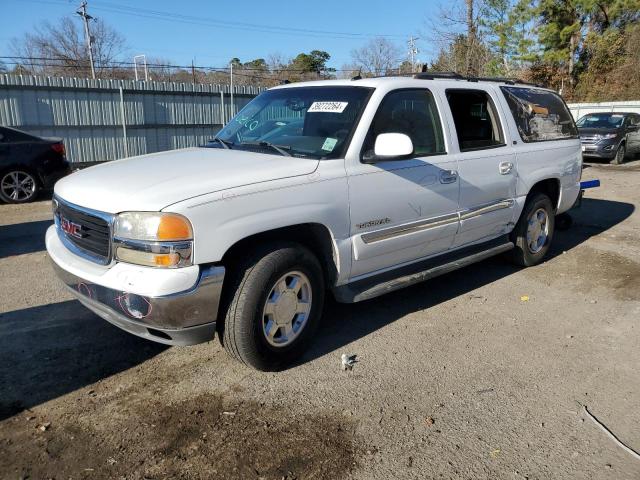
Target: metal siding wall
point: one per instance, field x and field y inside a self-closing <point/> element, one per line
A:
<point x="580" y="109"/>
<point x="87" y="113"/>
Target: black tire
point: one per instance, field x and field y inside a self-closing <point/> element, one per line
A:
<point x="523" y="254"/>
<point x="18" y="176"/>
<point x="620" y="154"/>
<point x="252" y="281"/>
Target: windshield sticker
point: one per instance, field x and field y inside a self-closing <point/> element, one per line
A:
<point x="329" y="144"/>
<point x="327" y="107"/>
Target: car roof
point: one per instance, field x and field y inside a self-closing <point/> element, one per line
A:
<point x="388" y="82"/>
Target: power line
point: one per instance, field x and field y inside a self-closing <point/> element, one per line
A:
<point x="115" y="64"/>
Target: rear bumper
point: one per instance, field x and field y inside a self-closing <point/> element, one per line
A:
<point x="186" y="317"/>
<point x="53" y="174"/>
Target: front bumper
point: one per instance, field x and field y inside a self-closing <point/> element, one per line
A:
<point x="186" y="317"/>
<point x="599" y="150"/>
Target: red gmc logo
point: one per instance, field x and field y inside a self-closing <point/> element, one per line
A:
<point x="70" y="228"/>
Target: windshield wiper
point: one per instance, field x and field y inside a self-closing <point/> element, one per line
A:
<point x="226" y="144"/>
<point x="281" y="149"/>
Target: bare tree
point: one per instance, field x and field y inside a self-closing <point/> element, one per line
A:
<point x="455" y="31"/>
<point x="378" y="57"/>
<point x="60" y="49"/>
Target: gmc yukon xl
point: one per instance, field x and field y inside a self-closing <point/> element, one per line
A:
<point x="353" y="188"/>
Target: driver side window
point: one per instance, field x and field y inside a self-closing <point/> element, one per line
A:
<point x="412" y="112"/>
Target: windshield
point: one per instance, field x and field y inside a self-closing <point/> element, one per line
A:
<point x="601" y="120"/>
<point x="313" y="122"/>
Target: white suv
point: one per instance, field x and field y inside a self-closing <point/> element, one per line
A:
<point x="354" y="187"/>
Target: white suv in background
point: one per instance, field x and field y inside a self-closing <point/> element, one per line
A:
<point x="353" y="188"/>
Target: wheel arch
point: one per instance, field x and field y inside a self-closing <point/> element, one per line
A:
<point x="548" y="186"/>
<point x="314" y="236"/>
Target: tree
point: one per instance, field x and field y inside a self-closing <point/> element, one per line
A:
<point x="378" y="57"/>
<point x="60" y="49"/>
<point x="455" y="58"/>
<point x="314" y="61"/>
<point x="507" y="30"/>
<point x="456" y="30"/>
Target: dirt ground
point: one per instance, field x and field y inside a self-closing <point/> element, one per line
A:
<point x="457" y="378"/>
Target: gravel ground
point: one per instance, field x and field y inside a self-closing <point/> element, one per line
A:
<point x="460" y="377"/>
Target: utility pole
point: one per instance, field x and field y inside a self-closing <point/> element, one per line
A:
<point x="413" y="51"/>
<point x="231" y="109"/>
<point x="86" y="17"/>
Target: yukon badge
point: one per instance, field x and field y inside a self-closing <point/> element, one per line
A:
<point x="373" y="223"/>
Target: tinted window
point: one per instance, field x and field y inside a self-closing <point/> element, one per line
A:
<point x="540" y="115"/>
<point x="475" y="118"/>
<point x="10" y="135"/>
<point x="412" y="112"/>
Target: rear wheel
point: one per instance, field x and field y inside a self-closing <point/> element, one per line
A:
<point x="533" y="233"/>
<point x="274" y="308"/>
<point x="18" y="186"/>
<point x="620" y="154"/>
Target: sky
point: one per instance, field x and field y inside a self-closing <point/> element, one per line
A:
<point x="211" y="33"/>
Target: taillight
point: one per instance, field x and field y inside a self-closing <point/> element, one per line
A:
<point x="58" y="148"/>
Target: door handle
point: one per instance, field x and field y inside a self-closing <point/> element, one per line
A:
<point x="505" y="168"/>
<point x="448" y="176"/>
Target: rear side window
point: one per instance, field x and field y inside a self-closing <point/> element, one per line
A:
<point x="412" y="112"/>
<point x="476" y="119"/>
<point x="540" y="115"/>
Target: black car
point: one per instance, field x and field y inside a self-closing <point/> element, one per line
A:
<point x="29" y="164"/>
<point x="612" y="136"/>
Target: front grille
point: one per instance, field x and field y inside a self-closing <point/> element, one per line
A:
<point x="90" y="233"/>
<point x="589" y="138"/>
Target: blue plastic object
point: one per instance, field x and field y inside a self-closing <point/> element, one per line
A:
<point x="589" y="184"/>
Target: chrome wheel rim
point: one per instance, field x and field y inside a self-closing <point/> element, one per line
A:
<point x="537" y="230"/>
<point x="18" y="186"/>
<point x="287" y="308"/>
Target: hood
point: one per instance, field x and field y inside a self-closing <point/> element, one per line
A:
<point x="601" y="131"/>
<point x="152" y="182"/>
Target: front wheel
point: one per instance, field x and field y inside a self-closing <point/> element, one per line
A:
<point x="276" y="302"/>
<point x="620" y="154"/>
<point x="533" y="233"/>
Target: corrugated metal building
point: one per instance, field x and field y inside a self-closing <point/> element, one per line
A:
<point x="110" y="119"/>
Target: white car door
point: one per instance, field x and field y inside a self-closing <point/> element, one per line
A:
<point x="403" y="210"/>
<point x="486" y="165"/>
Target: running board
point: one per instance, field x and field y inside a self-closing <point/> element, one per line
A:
<point x="410" y="275"/>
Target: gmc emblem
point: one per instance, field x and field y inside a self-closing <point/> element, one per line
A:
<point x="70" y="228"/>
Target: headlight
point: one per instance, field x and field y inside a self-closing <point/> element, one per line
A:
<point x="153" y="239"/>
<point x="607" y="136"/>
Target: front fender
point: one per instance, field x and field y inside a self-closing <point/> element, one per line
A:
<point x="222" y="219"/>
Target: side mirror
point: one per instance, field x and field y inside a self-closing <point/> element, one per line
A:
<point x="390" y="146"/>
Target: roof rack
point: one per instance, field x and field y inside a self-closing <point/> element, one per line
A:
<point x="508" y="81"/>
<point x="434" y="75"/>
<point x="457" y="76"/>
